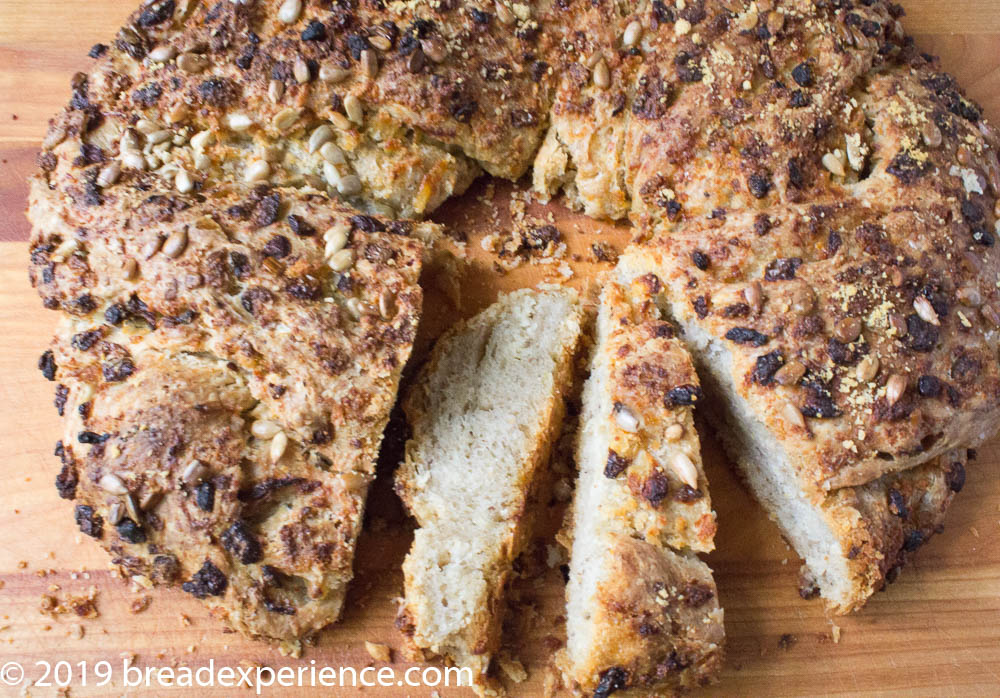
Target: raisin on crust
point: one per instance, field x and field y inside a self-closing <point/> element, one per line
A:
<point x="484" y="414"/>
<point x="642" y="609"/>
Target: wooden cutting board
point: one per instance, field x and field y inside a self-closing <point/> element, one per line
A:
<point x="936" y="631"/>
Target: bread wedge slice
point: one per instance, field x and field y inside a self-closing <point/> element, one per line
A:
<point x="484" y="414"/>
<point x="642" y="610"/>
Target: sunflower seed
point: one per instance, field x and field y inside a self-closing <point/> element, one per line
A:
<point x="336" y="240"/>
<point x="152" y="247"/>
<point x="340" y="121"/>
<point x="354" y="307"/>
<point x="415" y="63"/>
<point x="931" y="134"/>
<point x="132" y="508"/>
<point x="341" y="261"/>
<point x="369" y="63"/>
<point x="300" y="71"/>
<point x="434" y="49"/>
<point x="275" y="90"/>
<point x="286" y="118"/>
<point x="847" y="330"/>
<point x="602" y="77"/>
<point x="674" y="432"/>
<point x="790" y="374"/>
<point x="380" y="42"/>
<point x="130" y="269"/>
<point x="183" y="182"/>
<point x="355" y="112"/>
<point x="65" y="249"/>
<point x="109" y="174"/>
<point x="194" y="472"/>
<point x="278" y="445"/>
<point x="176" y="243"/>
<point x="349" y="185"/>
<point x="192" y="62"/>
<point x="684" y="468"/>
<point x="202" y="161"/>
<point x="113" y="484"/>
<point x="239" y="122"/>
<point x="626" y="419"/>
<point x="387" y="304"/>
<point x="332" y="153"/>
<point x="331" y="174"/>
<point x="633" y="32"/>
<point x="162" y="54"/>
<point x="867" y="368"/>
<point x="833" y="163"/>
<point x="894" y="388"/>
<point x="289" y="11"/>
<point x="264" y="429"/>
<point x="147" y="126"/>
<point x="257" y="171"/>
<point x="754" y="296"/>
<point x="319" y="136"/>
<point x="925" y="310"/>
<point x="201" y="140"/>
<point x="504" y="13"/>
<point x="116" y="512"/>
<point x="178" y="113"/>
<point x="333" y="73"/>
<point x="793" y="415"/>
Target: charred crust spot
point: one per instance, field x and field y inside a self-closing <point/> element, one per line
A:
<point x="913" y="540"/>
<point x="88" y="520"/>
<point x="83" y="341"/>
<point x="117" y="370"/>
<point x="97" y="50"/>
<point x="303" y="289"/>
<point x="156" y="13"/>
<point x="929" y="386"/>
<point x="62" y="394"/>
<point x="611" y="680"/>
<point x="906" y="168"/>
<point x="687" y="494"/>
<point x="966" y="368"/>
<point x="367" y="224"/>
<point x="921" y="335"/>
<point x="700" y="259"/>
<point x="759" y="185"/>
<point x="149" y="95"/>
<point x="955" y="477"/>
<point x="300" y="226"/>
<point x="688" y="67"/>
<point x="782" y="269"/>
<point x="165" y="569"/>
<point x="130" y="531"/>
<point x="240" y="264"/>
<point x="766" y="366"/>
<point x="700" y="305"/>
<point x="615" y="466"/>
<point x="115" y="314"/>
<point x="897" y="504"/>
<point x="819" y="403"/>
<point x="91" y="437"/>
<point x="217" y="92"/>
<point x="746" y="335"/>
<point x="682" y="395"/>
<point x="208" y="581"/>
<point x="242" y="544"/>
<point x="696" y="594"/>
<point x="315" y="31"/>
<point x="204" y="496"/>
<point x="47" y="365"/>
<point x="277" y="247"/>
<point x="802" y="74"/>
<point x="656" y="488"/>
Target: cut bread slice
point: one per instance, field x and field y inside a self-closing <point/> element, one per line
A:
<point x="484" y="414"/>
<point x="642" y="611"/>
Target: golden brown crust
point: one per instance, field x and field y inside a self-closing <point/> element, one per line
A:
<point x="652" y="379"/>
<point x="659" y="619"/>
<point x="221" y="289"/>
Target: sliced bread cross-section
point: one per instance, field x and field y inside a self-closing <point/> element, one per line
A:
<point x="642" y="611"/>
<point x="483" y="413"/>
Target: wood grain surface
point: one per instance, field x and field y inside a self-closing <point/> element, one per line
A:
<point x="936" y="631"/>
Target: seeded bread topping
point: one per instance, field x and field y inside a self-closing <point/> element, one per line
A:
<point x="216" y="205"/>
